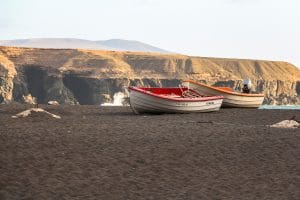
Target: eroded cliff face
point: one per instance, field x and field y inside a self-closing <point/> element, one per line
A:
<point x="93" y="77"/>
<point x="7" y="74"/>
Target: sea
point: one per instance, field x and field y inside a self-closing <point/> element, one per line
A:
<point x="285" y="107"/>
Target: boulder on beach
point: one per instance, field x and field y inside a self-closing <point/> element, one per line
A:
<point x="28" y="112"/>
<point x="286" y="124"/>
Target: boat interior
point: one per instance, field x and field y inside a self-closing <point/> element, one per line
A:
<point x="179" y="92"/>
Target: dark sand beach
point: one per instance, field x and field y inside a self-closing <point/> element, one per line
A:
<point x="109" y="153"/>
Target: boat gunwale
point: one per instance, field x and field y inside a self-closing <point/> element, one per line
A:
<point x="182" y="99"/>
<point x="225" y="91"/>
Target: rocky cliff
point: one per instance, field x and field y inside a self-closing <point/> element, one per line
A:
<point x="93" y="76"/>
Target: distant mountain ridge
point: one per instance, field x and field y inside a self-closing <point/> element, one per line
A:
<point x="73" y="43"/>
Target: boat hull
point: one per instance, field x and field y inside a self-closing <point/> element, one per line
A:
<point x="146" y="103"/>
<point x="231" y="99"/>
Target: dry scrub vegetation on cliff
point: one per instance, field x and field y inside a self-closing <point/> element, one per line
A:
<point x="151" y="65"/>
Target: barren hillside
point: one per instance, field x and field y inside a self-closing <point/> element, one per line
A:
<point x="89" y="76"/>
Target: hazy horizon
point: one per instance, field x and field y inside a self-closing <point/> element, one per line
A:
<point x="257" y="29"/>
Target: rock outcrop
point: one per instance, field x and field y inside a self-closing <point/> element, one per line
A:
<point x="72" y="76"/>
<point x="7" y="75"/>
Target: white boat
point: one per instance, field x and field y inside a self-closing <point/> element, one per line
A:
<point x="171" y="100"/>
<point x="231" y="97"/>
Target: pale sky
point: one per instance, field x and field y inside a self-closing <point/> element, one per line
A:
<point x="258" y="29"/>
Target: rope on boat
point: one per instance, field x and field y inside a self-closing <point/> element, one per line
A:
<point x="188" y="93"/>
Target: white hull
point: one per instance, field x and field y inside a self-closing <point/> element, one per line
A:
<point x="230" y="99"/>
<point x="143" y="103"/>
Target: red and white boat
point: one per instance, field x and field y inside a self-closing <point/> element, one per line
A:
<point x="171" y="100"/>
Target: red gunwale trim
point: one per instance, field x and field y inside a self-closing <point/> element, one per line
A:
<point x="175" y="99"/>
<point x="225" y="91"/>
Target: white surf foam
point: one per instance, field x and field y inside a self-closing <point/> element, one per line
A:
<point x="118" y="100"/>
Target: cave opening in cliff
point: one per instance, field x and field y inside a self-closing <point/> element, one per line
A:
<point x="35" y="77"/>
<point x="80" y="88"/>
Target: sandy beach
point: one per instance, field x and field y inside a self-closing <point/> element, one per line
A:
<point x="97" y="152"/>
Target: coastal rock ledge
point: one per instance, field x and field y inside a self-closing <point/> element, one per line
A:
<point x="77" y="76"/>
